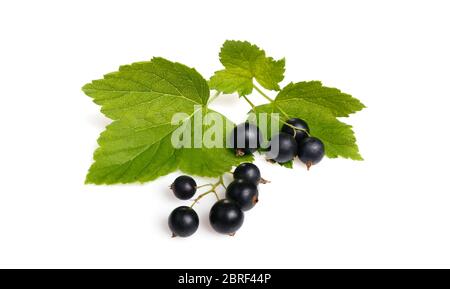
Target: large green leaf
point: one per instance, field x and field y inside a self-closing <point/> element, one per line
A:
<point x="142" y="99"/>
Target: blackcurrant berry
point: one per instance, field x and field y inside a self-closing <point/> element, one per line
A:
<point x="301" y="131"/>
<point x="226" y="217"/>
<point x="283" y="148"/>
<point x="311" y="151"/>
<point x="246" y="138"/>
<point x="184" y="187"/>
<point x="183" y="221"/>
<point x="244" y="193"/>
<point x="247" y="172"/>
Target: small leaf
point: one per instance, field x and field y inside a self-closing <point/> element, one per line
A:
<point x="232" y="80"/>
<point x="243" y="62"/>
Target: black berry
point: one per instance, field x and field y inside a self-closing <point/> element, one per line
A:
<point x="244" y="193"/>
<point x="226" y="217"/>
<point x="301" y="131"/>
<point x="246" y="138"/>
<point x="183" y="221"/>
<point x="184" y="187"/>
<point x="283" y="148"/>
<point x="311" y="151"/>
<point x="247" y="172"/>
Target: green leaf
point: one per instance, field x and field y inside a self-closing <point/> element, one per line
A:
<point x="289" y="164"/>
<point x="128" y="154"/>
<point x="136" y="87"/>
<point x="339" y="103"/>
<point x="320" y="114"/>
<point x="137" y="146"/>
<point x="243" y="62"/>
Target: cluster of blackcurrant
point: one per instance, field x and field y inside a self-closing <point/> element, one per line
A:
<point x="226" y="215"/>
<point x="293" y="139"/>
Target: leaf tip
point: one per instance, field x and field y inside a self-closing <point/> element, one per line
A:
<point x="88" y="181"/>
<point x="86" y="87"/>
<point x="359" y="158"/>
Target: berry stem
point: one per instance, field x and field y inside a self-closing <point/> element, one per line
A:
<point x="222" y="183"/>
<point x="296" y="128"/>
<point x="205" y="185"/>
<point x="210" y="191"/>
<point x="204" y="194"/>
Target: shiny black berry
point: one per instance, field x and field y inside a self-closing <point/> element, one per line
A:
<point x="183" y="221"/>
<point x="311" y="151"/>
<point x="247" y="172"/>
<point x="184" y="187"/>
<point x="301" y="131"/>
<point x="283" y="148"/>
<point x="244" y="193"/>
<point x="226" y="217"/>
<point x="246" y="138"/>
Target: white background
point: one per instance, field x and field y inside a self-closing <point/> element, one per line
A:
<point x="391" y="210"/>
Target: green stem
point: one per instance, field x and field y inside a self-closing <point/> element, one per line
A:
<point x="278" y="107"/>
<point x="204" y="194"/>
<point x="205" y="185"/>
<point x="214" y="97"/>
<point x="249" y="102"/>
<point x="296" y="128"/>
<point x="222" y="183"/>
<point x="262" y="93"/>
<point x="270" y="99"/>
<point x="282" y="111"/>
<point x="211" y="191"/>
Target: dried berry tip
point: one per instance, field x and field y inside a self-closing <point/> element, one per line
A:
<point x="240" y="152"/>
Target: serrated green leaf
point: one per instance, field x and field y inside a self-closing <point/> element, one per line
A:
<point x="125" y="157"/>
<point x="140" y="150"/>
<point x="137" y="147"/>
<point x="232" y="80"/>
<point x="339" y="103"/>
<point x="136" y="87"/>
<point x="338" y="137"/>
<point x="243" y="62"/>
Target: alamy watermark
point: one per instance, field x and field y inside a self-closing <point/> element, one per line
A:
<point x="213" y="130"/>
